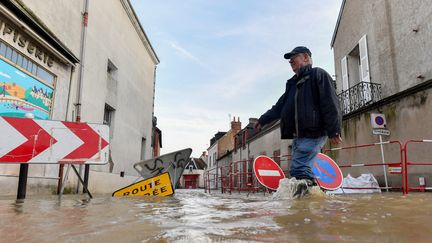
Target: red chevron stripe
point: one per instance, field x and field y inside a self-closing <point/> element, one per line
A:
<point x="90" y="146"/>
<point x="38" y="140"/>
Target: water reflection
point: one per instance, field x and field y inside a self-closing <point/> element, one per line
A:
<point x="192" y="215"/>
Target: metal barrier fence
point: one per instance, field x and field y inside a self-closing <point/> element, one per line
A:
<point x="242" y="178"/>
<point x="210" y="177"/>
<point x="418" y="163"/>
<point x="237" y="176"/>
<point x="234" y="179"/>
<point x="384" y="164"/>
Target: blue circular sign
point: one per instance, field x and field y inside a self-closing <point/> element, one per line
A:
<point x="379" y="120"/>
<point x="327" y="172"/>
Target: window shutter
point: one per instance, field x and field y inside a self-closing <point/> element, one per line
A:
<point x="364" y="60"/>
<point x="344" y="67"/>
<point x="364" y="69"/>
<point x="346" y="104"/>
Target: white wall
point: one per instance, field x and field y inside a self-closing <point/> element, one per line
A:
<point x="211" y="162"/>
<point x="110" y="35"/>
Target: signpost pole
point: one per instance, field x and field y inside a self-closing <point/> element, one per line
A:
<point x="383" y="161"/>
<point x="22" y="182"/>
<point x="86" y="177"/>
<point x="60" y="181"/>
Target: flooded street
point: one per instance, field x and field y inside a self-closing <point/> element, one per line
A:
<point x="192" y="215"/>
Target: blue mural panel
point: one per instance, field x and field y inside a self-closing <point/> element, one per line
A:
<point x="21" y="95"/>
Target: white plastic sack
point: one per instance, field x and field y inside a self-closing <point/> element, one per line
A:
<point x="363" y="181"/>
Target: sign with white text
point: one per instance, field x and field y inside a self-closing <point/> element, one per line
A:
<point x="384" y="132"/>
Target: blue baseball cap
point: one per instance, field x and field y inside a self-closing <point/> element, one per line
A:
<point x="297" y="50"/>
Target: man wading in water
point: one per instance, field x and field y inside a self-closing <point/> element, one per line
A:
<point x="309" y="113"/>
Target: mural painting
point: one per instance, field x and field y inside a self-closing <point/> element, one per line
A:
<point x="22" y="95"/>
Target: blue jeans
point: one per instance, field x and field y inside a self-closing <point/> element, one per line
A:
<point x="304" y="152"/>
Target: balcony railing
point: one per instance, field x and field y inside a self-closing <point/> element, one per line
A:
<point x="358" y="96"/>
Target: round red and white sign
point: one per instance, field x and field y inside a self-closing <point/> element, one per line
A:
<point x="267" y="172"/>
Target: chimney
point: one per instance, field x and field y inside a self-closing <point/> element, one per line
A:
<point x="236" y="125"/>
<point x="253" y="120"/>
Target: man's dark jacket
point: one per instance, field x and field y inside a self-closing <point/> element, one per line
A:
<point x="308" y="108"/>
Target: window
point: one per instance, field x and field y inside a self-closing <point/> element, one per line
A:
<point x="357" y="89"/>
<point x="108" y="115"/>
<point x="244" y="138"/>
<point x="355" y="66"/>
<point x="111" y="68"/>
<point x="276" y="156"/>
<point x="108" y="119"/>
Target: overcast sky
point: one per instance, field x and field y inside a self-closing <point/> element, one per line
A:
<point x="224" y="58"/>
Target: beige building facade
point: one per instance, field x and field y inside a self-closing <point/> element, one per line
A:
<point x="382" y="65"/>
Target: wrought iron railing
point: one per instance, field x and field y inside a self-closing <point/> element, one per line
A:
<point x="358" y="96"/>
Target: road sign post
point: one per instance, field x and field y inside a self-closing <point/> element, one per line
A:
<point x="379" y="127"/>
<point x="327" y="172"/>
<point x="22" y="181"/>
<point x="174" y="163"/>
<point x="34" y="141"/>
<point x="31" y="141"/>
<point x="159" y="185"/>
<point x="267" y="172"/>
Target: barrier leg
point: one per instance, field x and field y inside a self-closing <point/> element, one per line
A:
<point x="82" y="181"/>
<point x="22" y="183"/>
<point x="383" y="161"/>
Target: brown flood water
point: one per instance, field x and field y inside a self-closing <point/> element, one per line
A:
<point x="194" y="216"/>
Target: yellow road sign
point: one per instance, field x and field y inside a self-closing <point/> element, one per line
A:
<point x="156" y="186"/>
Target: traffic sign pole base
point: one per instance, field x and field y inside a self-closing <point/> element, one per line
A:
<point x="22" y="182"/>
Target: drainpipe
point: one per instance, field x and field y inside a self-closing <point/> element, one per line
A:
<point x="82" y="57"/>
<point x="60" y="174"/>
<point x="154" y="88"/>
<point x="80" y="81"/>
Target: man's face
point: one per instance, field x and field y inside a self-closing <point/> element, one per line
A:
<point x="297" y="61"/>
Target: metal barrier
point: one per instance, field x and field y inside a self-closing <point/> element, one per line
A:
<point x="208" y="182"/>
<point x="242" y="179"/>
<point x="237" y="176"/>
<point x="400" y="164"/>
<point x="408" y="163"/>
<point x="234" y="179"/>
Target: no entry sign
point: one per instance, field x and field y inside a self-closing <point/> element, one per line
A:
<point x="327" y="172"/>
<point x="267" y="172"/>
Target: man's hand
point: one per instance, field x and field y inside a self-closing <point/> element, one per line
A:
<point x="336" y="140"/>
<point x="257" y="126"/>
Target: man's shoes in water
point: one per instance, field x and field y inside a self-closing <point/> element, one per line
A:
<point x="302" y="187"/>
<point x="311" y="182"/>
